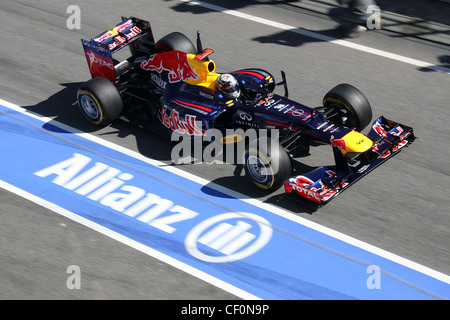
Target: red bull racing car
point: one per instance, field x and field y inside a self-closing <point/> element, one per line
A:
<point x="173" y="83"/>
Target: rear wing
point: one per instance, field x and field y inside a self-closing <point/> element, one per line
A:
<point x="133" y="32"/>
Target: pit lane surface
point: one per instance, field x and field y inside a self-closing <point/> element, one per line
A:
<point x="401" y="207"/>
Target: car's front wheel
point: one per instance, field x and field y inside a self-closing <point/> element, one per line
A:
<point x="346" y="105"/>
<point x="266" y="166"/>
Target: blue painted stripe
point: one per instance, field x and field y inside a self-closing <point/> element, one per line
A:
<point x="297" y="262"/>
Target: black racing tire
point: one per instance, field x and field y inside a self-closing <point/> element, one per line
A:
<point x="267" y="168"/>
<point x="351" y="103"/>
<point x="99" y="100"/>
<point x="175" y="41"/>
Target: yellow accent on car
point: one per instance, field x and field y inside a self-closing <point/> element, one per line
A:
<point x="357" y="142"/>
<point x="231" y="138"/>
<point x="206" y="69"/>
<point x="100" y="111"/>
<point x="230" y="103"/>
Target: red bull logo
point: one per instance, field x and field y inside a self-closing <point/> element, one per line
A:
<point x="173" y="122"/>
<point x="105" y="36"/>
<point x="339" y="143"/>
<point x="115" y="31"/>
<point x="175" y="62"/>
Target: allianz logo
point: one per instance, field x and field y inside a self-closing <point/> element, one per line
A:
<point x="230" y="236"/>
<point x="106" y="185"/>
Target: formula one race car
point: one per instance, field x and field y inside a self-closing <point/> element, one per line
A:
<point x="175" y="84"/>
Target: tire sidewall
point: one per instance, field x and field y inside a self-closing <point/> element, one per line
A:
<point x="175" y="41"/>
<point x="349" y="97"/>
<point x="101" y="94"/>
<point x="276" y="161"/>
<point x="86" y="94"/>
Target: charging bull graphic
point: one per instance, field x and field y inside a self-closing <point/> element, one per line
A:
<point x="175" y="62"/>
<point x="340" y="143"/>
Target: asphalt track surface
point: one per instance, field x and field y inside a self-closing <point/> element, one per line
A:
<point x="402" y="207"/>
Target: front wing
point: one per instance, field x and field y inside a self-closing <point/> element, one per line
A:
<point x="325" y="183"/>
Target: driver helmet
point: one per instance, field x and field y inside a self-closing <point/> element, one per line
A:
<point x="228" y="85"/>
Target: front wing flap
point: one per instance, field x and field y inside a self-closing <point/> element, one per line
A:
<point x="324" y="183"/>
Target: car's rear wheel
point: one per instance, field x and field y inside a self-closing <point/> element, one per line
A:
<point x="99" y="101"/>
<point x="265" y="166"/>
<point x="346" y="105"/>
<point x="175" y="41"/>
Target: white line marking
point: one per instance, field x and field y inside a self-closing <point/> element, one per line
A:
<point x="303" y="32"/>
<point x="271" y="208"/>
